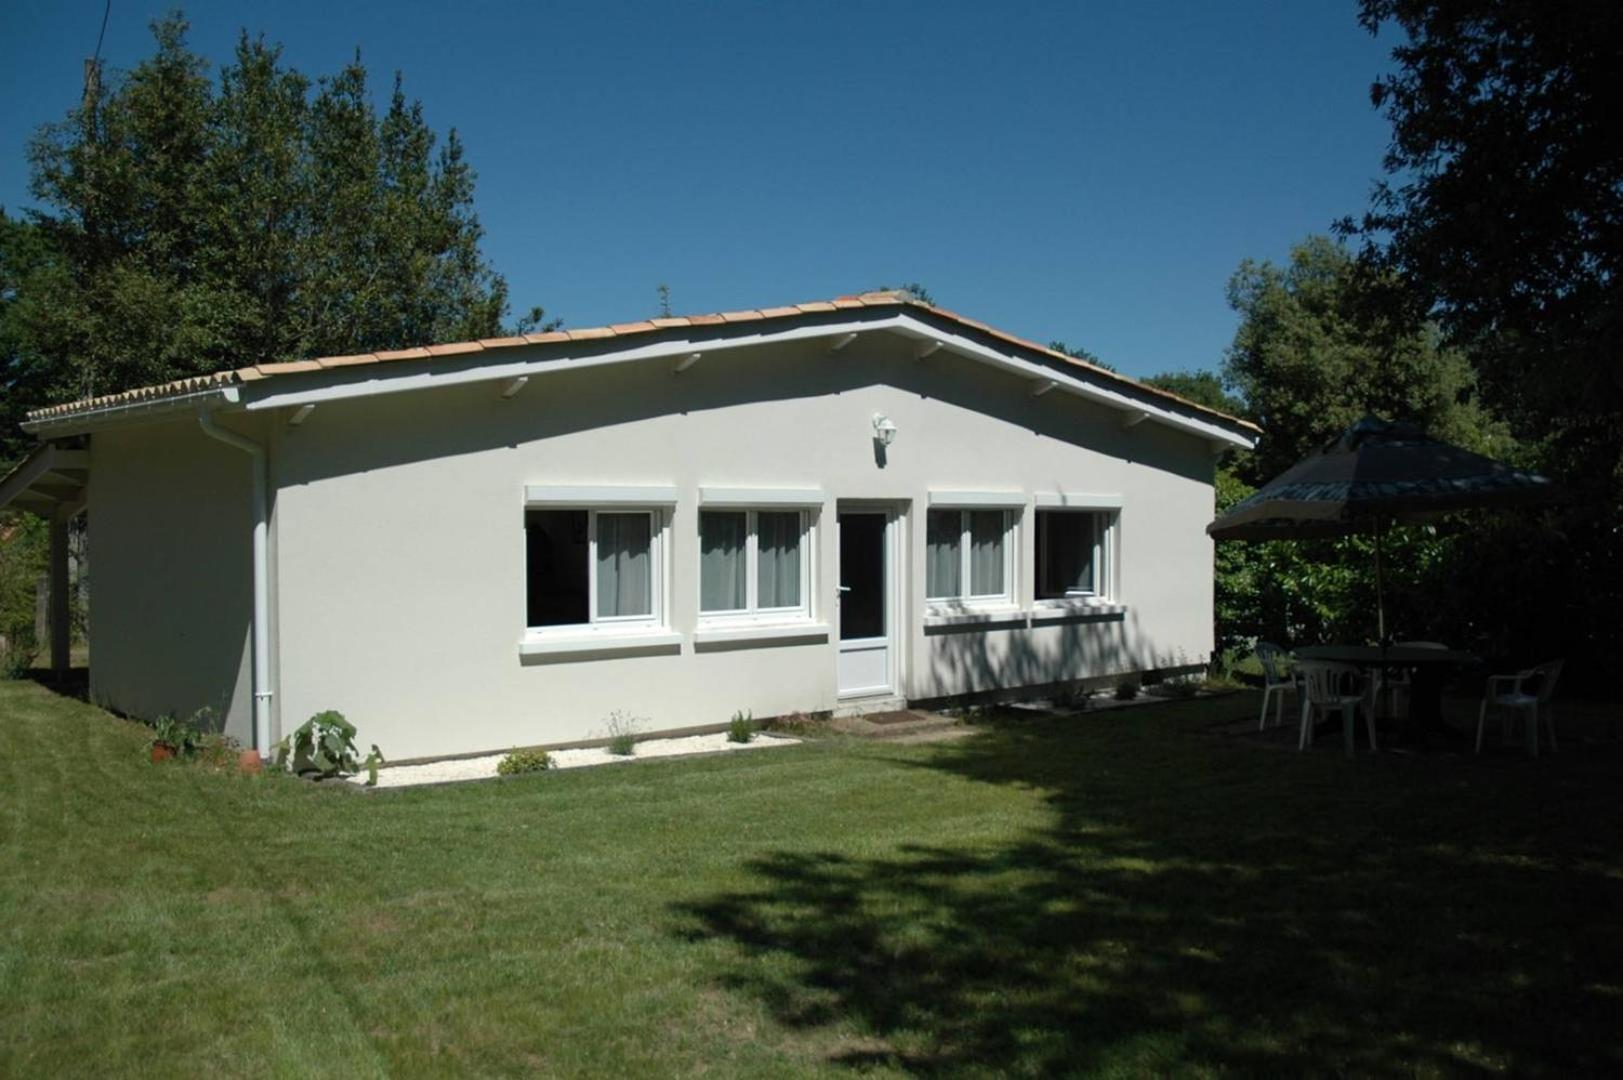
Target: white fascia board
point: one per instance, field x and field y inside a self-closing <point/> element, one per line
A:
<point x="421" y="375"/>
<point x="1007" y="500"/>
<point x="599" y="495"/>
<point x="1078" y="500"/>
<point x="731" y="496"/>
<point x="1070" y="383"/>
<point x="400" y="376"/>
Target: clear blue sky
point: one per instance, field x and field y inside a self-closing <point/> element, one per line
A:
<point x="1085" y="171"/>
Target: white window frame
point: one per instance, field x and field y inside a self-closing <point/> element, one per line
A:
<point x="752" y="613"/>
<point x="1106" y="525"/>
<point x="657" y="502"/>
<point x="965" y="599"/>
<point x="656" y="585"/>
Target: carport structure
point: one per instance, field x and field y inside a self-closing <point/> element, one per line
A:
<point x="51" y="482"/>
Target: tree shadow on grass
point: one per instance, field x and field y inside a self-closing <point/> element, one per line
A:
<point x="1192" y="906"/>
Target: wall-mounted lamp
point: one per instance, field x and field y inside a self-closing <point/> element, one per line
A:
<point x="884" y="429"/>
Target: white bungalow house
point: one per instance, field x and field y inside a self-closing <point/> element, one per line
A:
<point x="488" y="544"/>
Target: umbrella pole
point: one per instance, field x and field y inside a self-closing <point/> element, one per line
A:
<point x="1380" y="589"/>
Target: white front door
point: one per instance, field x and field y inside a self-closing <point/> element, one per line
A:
<point x="865" y="608"/>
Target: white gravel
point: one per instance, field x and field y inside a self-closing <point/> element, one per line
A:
<point x="482" y="768"/>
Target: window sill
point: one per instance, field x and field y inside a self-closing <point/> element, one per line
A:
<point x="967" y="615"/>
<point x="726" y="633"/>
<point x="1068" y="609"/>
<point x="599" y="641"/>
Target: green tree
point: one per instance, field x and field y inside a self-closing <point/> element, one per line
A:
<point x="1321" y="343"/>
<point x="198" y="226"/>
<point x="1504" y="207"/>
<point x="1503" y="212"/>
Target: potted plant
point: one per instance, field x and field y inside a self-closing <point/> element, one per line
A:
<point x="172" y="738"/>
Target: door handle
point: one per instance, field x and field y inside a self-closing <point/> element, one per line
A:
<point x="845" y="588"/>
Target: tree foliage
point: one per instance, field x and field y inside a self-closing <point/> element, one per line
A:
<point x="190" y="224"/>
<point x="1503" y="214"/>
<point x="1504" y="205"/>
<point x="1321" y="343"/>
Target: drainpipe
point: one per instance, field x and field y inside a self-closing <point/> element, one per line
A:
<point x="261" y="626"/>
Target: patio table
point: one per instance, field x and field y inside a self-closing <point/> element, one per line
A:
<point x="1430" y="667"/>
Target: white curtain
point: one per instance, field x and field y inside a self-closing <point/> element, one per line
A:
<point x="624" y="565"/>
<point x="986" y="553"/>
<point x="943" y="537"/>
<point x="777" y="541"/>
<point x="721" y="561"/>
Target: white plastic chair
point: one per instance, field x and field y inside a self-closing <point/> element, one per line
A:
<point x="1514" y="695"/>
<point x="1329" y="686"/>
<point x="1397" y="681"/>
<point x="1275" y="683"/>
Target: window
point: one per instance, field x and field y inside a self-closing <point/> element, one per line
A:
<point x="966" y="555"/>
<point x="1071" y="553"/>
<point x="752" y="562"/>
<point x="586" y="567"/>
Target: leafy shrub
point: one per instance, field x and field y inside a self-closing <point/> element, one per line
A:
<point x="524" y="761"/>
<point x="622" y="729"/>
<point x="1075" y="698"/>
<point x="22" y="564"/>
<point x="741" y="729"/>
<point x="1182" y="689"/>
<point x="217" y="750"/>
<point x="18" y="650"/>
<point x="323" y="746"/>
<point x="1127" y="690"/>
<point x="179" y="735"/>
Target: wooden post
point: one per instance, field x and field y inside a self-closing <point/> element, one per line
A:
<point x="61" y="635"/>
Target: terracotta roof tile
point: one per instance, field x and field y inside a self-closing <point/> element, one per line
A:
<point x="705" y="320"/>
<point x="415" y="353"/>
<point x="848" y="302"/>
<point x="778" y="312"/>
<point x="591" y="333"/>
<point x="548" y="337"/>
<point x="632" y="327"/>
<point x="667" y="322"/>
<point x="503" y="342"/>
<point x="456" y="348"/>
<point x="742" y="316"/>
<point x="293" y="367"/>
<point x="349" y="361"/>
<point x="814" y="306"/>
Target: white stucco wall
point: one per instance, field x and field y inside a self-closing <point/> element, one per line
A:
<point x="399" y="539"/>
<point x="170" y="576"/>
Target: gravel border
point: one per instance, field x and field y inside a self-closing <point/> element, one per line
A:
<point x="455" y="770"/>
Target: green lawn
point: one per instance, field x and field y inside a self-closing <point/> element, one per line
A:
<point x="1121" y="892"/>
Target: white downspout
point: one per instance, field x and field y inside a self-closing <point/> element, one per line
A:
<point x="261" y="625"/>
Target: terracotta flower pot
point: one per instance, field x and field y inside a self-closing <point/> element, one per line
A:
<point x="249" y="762"/>
<point x="162" y="752"/>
